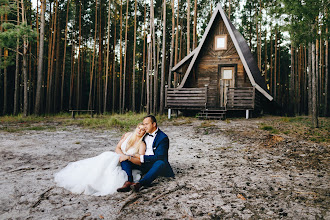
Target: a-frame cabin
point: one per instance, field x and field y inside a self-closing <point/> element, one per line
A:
<point x="219" y="75"/>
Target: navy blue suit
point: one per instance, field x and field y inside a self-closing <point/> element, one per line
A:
<point x="154" y="165"/>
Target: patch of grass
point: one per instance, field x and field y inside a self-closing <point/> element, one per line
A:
<point x="206" y="124"/>
<point x="300" y="126"/>
<point x="269" y="128"/>
<point x="21" y="119"/>
<point x="37" y="128"/>
<point x="181" y="121"/>
<point x="124" y="122"/>
<point x="10" y="130"/>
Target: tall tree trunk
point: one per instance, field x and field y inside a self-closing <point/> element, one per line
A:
<point x="152" y="26"/>
<point x="162" y="81"/>
<point x="266" y="59"/>
<point x="258" y="33"/>
<point x="134" y="51"/>
<point x="326" y="84"/>
<point x="275" y="67"/>
<point x="79" y="60"/>
<point x="279" y="95"/>
<point x="114" y="77"/>
<point x="298" y="82"/>
<point x="50" y="43"/>
<point x="5" y="78"/>
<point x="40" y="58"/>
<point x="57" y="69"/>
<point x="64" y="55"/>
<point x="50" y="93"/>
<point x="195" y="26"/>
<point x="72" y="73"/>
<point x="271" y="64"/>
<point x="316" y="122"/>
<point x="310" y="73"/>
<point x="16" y="92"/>
<point x="148" y="76"/>
<point x="1" y="30"/>
<point x="125" y="58"/>
<point x="188" y="26"/>
<point x="25" y="74"/>
<point x="93" y="61"/>
<point x="292" y="84"/>
<point x="144" y="58"/>
<point x="305" y="81"/>
<point x="121" y="57"/>
<point x="107" y="62"/>
<point x="176" y="43"/>
<point x="172" y="46"/>
<point x="99" y="87"/>
<point x="314" y="90"/>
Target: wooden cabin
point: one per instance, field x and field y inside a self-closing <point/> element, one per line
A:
<point x="220" y="75"/>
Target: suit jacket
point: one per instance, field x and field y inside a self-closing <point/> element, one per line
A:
<point x="160" y="148"/>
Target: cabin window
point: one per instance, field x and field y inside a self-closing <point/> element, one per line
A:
<point x="227" y="73"/>
<point x="221" y="42"/>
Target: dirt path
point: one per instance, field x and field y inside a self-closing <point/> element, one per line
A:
<point x="223" y="171"/>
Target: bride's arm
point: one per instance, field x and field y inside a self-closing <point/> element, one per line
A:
<point x="136" y="157"/>
<point x="118" y="148"/>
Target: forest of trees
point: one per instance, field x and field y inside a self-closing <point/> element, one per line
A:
<point x="115" y="56"/>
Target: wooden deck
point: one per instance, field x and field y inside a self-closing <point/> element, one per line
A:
<point x="241" y="98"/>
<point x="186" y="98"/>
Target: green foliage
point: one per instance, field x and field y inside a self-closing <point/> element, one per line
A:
<point x="8" y="38"/>
<point x="270" y="129"/>
<point x="303" y="18"/>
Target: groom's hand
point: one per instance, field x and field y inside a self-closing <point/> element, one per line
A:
<point x="123" y="158"/>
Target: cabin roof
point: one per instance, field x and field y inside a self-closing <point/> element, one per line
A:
<point x="243" y="50"/>
<point x="184" y="60"/>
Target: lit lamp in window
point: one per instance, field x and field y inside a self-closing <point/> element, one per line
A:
<point x="221" y="42"/>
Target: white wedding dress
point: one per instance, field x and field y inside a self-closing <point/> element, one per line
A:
<point x="98" y="176"/>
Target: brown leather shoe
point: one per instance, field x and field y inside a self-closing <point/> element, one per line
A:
<point x="136" y="187"/>
<point x="125" y="187"/>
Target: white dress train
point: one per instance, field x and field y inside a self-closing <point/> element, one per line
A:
<point x="98" y="176"/>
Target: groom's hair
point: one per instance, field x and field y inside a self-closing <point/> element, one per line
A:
<point x="153" y="118"/>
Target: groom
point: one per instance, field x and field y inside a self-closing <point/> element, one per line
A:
<point x="155" y="161"/>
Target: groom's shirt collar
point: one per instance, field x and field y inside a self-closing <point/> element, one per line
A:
<point x="153" y="134"/>
<point x="149" y="139"/>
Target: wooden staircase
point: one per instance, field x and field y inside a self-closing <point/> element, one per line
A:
<point x="212" y="114"/>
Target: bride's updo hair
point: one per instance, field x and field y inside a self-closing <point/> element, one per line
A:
<point x="133" y="138"/>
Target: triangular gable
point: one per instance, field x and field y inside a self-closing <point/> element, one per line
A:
<point x="243" y="51"/>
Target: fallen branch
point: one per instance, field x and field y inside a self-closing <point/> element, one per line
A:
<point x="21" y="169"/>
<point x="129" y="201"/>
<point x="42" y="197"/>
<point x="166" y="193"/>
<point x="86" y="215"/>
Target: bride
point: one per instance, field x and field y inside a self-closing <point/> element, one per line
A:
<point x="102" y="175"/>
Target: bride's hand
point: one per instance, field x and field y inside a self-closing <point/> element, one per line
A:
<point x="123" y="158"/>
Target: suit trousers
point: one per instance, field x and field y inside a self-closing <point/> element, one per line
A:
<point x="151" y="171"/>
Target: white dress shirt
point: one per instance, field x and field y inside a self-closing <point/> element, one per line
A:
<point x="149" y="142"/>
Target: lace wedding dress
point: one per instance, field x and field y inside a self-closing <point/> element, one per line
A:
<point x="98" y="176"/>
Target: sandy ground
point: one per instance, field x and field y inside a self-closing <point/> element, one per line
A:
<point x="223" y="171"/>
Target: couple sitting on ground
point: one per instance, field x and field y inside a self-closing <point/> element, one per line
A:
<point x="143" y="151"/>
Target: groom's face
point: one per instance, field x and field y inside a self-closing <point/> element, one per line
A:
<point x="149" y="125"/>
